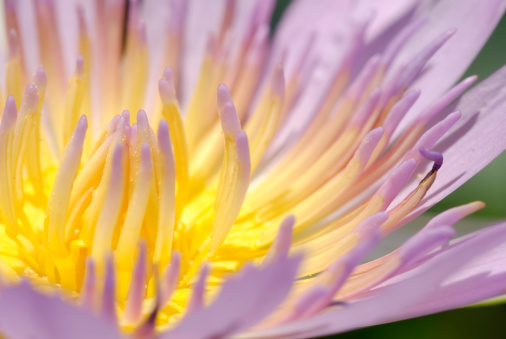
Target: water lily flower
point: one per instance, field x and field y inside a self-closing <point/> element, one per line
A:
<point x="170" y="170"/>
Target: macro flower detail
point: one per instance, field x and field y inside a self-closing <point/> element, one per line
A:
<point x="170" y="170"/>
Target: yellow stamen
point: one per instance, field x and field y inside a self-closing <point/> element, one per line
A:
<point x="166" y="189"/>
<point x="172" y="114"/>
<point x="133" y="219"/>
<point x="75" y="95"/>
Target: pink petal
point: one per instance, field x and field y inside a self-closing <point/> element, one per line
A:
<point x="387" y="13"/>
<point x="28" y="33"/>
<point x="473" y="142"/>
<point x="482" y="278"/>
<point x="157" y="16"/>
<point x="245" y="299"/>
<point x="328" y="20"/>
<point x="66" y="14"/>
<point x="196" y="301"/>
<point x="337" y="40"/>
<point x="203" y="19"/>
<point x="26" y="314"/>
<point x="474" y="21"/>
<point x="391" y="302"/>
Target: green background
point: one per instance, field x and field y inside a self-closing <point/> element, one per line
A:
<point x="488" y="186"/>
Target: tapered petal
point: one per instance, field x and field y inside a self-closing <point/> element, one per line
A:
<point x="324" y="36"/>
<point x="474" y="22"/>
<point x="482" y="278"/>
<point x="473" y="142"/>
<point x="25" y="313"/>
<point x="204" y="19"/>
<point x="335" y="36"/>
<point x="404" y="294"/>
<point x="243" y="301"/>
<point x="387" y="14"/>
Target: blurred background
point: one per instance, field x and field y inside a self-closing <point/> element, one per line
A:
<point x="489" y="186"/>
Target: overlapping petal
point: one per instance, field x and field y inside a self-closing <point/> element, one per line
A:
<point x="26" y="313"/>
<point x="425" y="289"/>
<point x="474" y="141"/>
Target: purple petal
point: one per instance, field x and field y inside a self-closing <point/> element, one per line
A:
<point x="387" y="13"/>
<point x="28" y="33"/>
<point x="336" y="37"/>
<point x="204" y="18"/>
<point x="328" y="20"/>
<point x="483" y="278"/>
<point x="474" y="22"/>
<point x="473" y="142"/>
<point x="26" y="314"/>
<point x="244" y="300"/>
<point x="391" y="302"/>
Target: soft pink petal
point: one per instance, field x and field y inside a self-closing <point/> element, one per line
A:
<point x="28" y="33"/>
<point x="483" y="278"/>
<point x="386" y="13"/>
<point x="203" y="19"/>
<point x="474" y="21"/>
<point x="337" y="39"/>
<point x="66" y="22"/>
<point x="443" y="220"/>
<point x="393" y="301"/>
<point x="333" y="31"/>
<point x="328" y="21"/>
<point x="244" y="300"/>
<point x="66" y="15"/>
<point x="26" y="314"/>
<point x="157" y="16"/>
<point x="473" y="142"/>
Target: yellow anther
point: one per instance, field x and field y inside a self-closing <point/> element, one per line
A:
<point x="172" y="114"/>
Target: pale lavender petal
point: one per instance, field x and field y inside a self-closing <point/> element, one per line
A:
<point x="89" y="289"/>
<point x="28" y="34"/>
<point x="283" y="241"/>
<point x="474" y="21"/>
<point x="483" y="278"/>
<point x="245" y="299"/>
<point x="136" y="292"/>
<point x="67" y="23"/>
<point x="386" y="13"/>
<point x="399" y="110"/>
<point x="447" y="218"/>
<point x="338" y="38"/>
<point x="319" y="297"/>
<point x="413" y="250"/>
<point x="328" y="20"/>
<point x="26" y="314"/>
<point x="196" y="301"/>
<point x="157" y="17"/>
<point x="472" y="143"/>
<point x="391" y="302"/>
<point x="363" y="78"/>
<point x="203" y="19"/>
<point x="432" y="135"/>
<point x="170" y="278"/>
<point x="109" y="294"/>
<point x="418" y="62"/>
